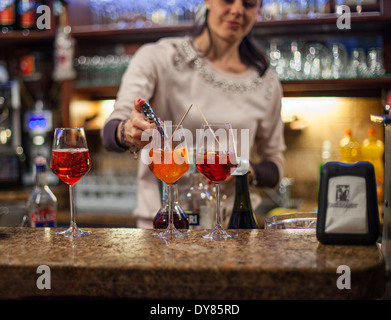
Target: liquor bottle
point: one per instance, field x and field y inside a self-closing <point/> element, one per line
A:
<point x="8" y="14"/>
<point x="242" y="216"/>
<point x="197" y="204"/>
<point x="161" y="219"/>
<point x="42" y="203"/>
<point x="26" y="14"/>
<point x="372" y="150"/>
<point x="349" y="148"/>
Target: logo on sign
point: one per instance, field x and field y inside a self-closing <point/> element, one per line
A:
<point x="342" y="197"/>
<point x="342" y="193"/>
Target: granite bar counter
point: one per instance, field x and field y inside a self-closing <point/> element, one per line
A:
<point x="127" y="263"/>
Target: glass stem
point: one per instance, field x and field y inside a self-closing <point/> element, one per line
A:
<point x="170" y="212"/>
<point x="72" y="207"/>
<point x="218" y="216"/>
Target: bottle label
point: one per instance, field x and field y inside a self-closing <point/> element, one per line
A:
<point x="7" y="12"/>
<point x="27" y="14"/>
<point x="194" y="218"/>
<point x="27" y="64"/>
<point x="202" y="219"/>
<point x="44" y="217"/>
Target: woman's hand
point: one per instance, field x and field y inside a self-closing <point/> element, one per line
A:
<point x="231" y="179"/>
<point x="134" y="126"/>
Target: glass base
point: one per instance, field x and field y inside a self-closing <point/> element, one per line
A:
<point x="218" y="233"/>
<point x="170" y="233"/>
<point x="73" y="232"/>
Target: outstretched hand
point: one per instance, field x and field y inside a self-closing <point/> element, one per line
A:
<point x="136" y="124"/>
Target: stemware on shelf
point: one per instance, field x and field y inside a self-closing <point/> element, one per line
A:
<point x="375" y="62"/>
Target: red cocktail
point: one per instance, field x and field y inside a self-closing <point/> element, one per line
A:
<point x="70" y="162"/>
<point x="70" y="165"/>
<point x="216" y="159"/>
<point x="215" y="166"/>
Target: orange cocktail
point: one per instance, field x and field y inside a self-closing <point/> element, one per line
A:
<point x="169" y="164"/>
<point x="169" y="160"/>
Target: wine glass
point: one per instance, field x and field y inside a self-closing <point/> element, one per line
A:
<point x="70" y="162"/>
<point x="216" y="159"/>
<point x="169" y="161"/>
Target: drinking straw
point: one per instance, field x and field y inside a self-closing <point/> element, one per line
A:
<point x="180" y="122"/>
<point x="206" y="122"/>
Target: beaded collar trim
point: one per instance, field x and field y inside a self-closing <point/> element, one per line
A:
<point x="191" y="57"/>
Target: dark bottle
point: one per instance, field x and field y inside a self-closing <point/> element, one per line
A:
<point x="242" y="213"/>
<point x="161" y="219"/>
<point x="8" y="15"/>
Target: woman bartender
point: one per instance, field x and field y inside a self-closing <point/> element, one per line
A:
<point x="221" y="71"/>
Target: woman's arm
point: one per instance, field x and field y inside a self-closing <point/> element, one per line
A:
<point x="109" y="136"/>
<point x="138" y="80"/>
<point x="264" y="174"/>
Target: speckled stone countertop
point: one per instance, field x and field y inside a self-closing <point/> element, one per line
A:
<point x="132" y="264"/>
